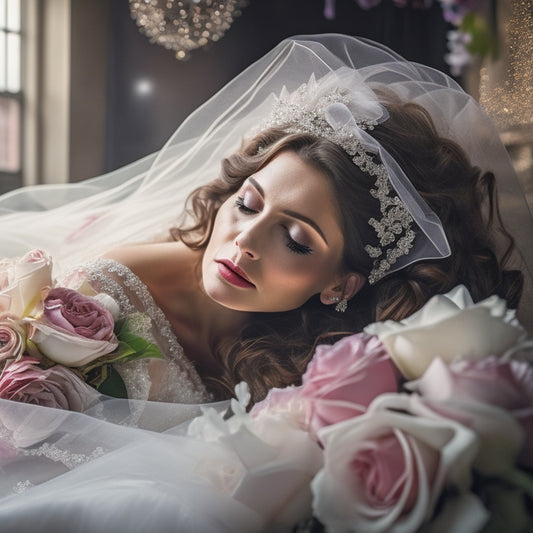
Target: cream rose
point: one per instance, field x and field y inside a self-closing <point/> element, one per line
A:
<point x="449" y="326"/>
<point x="21" y="281"/>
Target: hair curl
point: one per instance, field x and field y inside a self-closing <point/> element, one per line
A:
<point x="273" y="349"/>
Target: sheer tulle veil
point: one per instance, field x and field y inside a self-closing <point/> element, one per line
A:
<point x="126" y="465"/>
<point x="139" y="202"/>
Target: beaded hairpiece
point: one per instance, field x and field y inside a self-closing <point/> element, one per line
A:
<point x="327" y="115"/>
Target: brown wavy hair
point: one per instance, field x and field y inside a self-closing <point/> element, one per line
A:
<point x="273" y="349"/>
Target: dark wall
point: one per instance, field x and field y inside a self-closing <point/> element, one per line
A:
<point x="139" y="123"/>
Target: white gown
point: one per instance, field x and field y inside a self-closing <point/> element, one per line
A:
<point x="129" y="465"/>
<point x="105" y="468"/>
<point x="173" y="379"/>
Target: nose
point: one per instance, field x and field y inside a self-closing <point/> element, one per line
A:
<point x="245" y="250"/>
<point x="247" y="244"/>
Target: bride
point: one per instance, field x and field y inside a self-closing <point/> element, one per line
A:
<point x="354" y="186"/>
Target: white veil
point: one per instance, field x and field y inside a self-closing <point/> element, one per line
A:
<point x="139" y="202"/>
<point x="100" y="470"/>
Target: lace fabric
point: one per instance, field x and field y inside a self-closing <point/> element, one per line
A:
<point x="172" y="380"/>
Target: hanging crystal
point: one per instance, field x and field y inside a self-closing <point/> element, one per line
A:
<point x="184" y="25"/>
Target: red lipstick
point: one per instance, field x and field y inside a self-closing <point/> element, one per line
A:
<point x="233" y="274"/>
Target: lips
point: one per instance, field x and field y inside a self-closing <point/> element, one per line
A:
<point x="233" y="274"/>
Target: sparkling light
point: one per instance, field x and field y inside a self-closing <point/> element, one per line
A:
<point x="508" y="96"/>
<point x="184" y="25"/>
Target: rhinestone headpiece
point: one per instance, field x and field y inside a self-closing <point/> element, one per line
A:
<point x="344" y="121"/>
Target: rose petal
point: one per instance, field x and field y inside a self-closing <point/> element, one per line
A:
<point x="66" y="348"/>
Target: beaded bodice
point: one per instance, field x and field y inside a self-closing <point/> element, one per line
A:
<point x="173" y="379"/>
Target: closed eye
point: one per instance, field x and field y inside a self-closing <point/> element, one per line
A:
<point x="291" y="244"/>
<point x="242" y="207"/>
<point x="298" y="248"/>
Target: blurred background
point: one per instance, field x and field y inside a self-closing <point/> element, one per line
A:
<point x="87" y="86"/>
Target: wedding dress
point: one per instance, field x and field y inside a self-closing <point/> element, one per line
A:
<point x="129" y="465"/>
<point x="175" y="378"/>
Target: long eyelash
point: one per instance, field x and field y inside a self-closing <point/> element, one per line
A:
<point x="292" y="245"/>
<point x="298" y="248"/>
<point x="240" y="205"/>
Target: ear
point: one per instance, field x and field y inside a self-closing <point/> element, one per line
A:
<point x="346" y="287"/>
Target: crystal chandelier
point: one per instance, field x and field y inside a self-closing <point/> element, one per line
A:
<point x="183" y="25"/>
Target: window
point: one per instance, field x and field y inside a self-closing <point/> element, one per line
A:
<point x="10" y="94"/>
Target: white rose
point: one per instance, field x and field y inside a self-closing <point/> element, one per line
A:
<point x="21" y="281"/>
<point x="109" y="303"/>
<point x="449" y="326"/>
<point x="264" y="462"/>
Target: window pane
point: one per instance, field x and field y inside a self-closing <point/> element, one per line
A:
<point x="3" y="61"/>
<point x="13" y="62"/>
<point x="13" y="15"/>
<point x="9" y="134"/>
<point x="2" y="14"/>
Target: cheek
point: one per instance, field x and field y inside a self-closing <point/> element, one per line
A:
<point x="291" y="270"/>
<point x="222" y="228"/>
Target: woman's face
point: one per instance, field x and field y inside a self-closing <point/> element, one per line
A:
<point x="276" y="242"/>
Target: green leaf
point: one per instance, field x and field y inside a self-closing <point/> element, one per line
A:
<point x="113" y="385"/>
<point x="137" y="347"/>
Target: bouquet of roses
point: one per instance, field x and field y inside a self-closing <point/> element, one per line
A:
<point x="420" y="425"/>
<point x="58" y="345"/>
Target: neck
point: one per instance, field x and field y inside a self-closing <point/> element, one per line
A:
<point x="200" y="323"/>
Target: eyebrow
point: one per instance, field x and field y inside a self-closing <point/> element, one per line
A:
<point x="291" y="213"/>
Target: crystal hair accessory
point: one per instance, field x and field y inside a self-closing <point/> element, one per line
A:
<point x="342" y="117"/>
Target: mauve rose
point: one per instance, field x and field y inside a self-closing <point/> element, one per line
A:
<point x="75" y="329"/>
<point x="57" y="386"/>
<point x="504" y="384"/>
<point x="74" y="312"/>
<point x="12" y="338"/>
<point x="22" y="279"/>
<point x="342" y="379"/>
<point x="384" y="470"/>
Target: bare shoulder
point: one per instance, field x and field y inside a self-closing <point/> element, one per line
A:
<point x="141" y="257"/>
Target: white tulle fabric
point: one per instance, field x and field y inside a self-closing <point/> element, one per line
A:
<point x="127" y="465"/>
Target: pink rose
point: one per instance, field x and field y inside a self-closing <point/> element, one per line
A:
<point x="491" y="381"/>
<point x="384" y="470"/>
<point x="12" y="338"/>
<point x="342" y="379"/>
<point x="58" y="387"/>
<point x="75" y="329"/>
